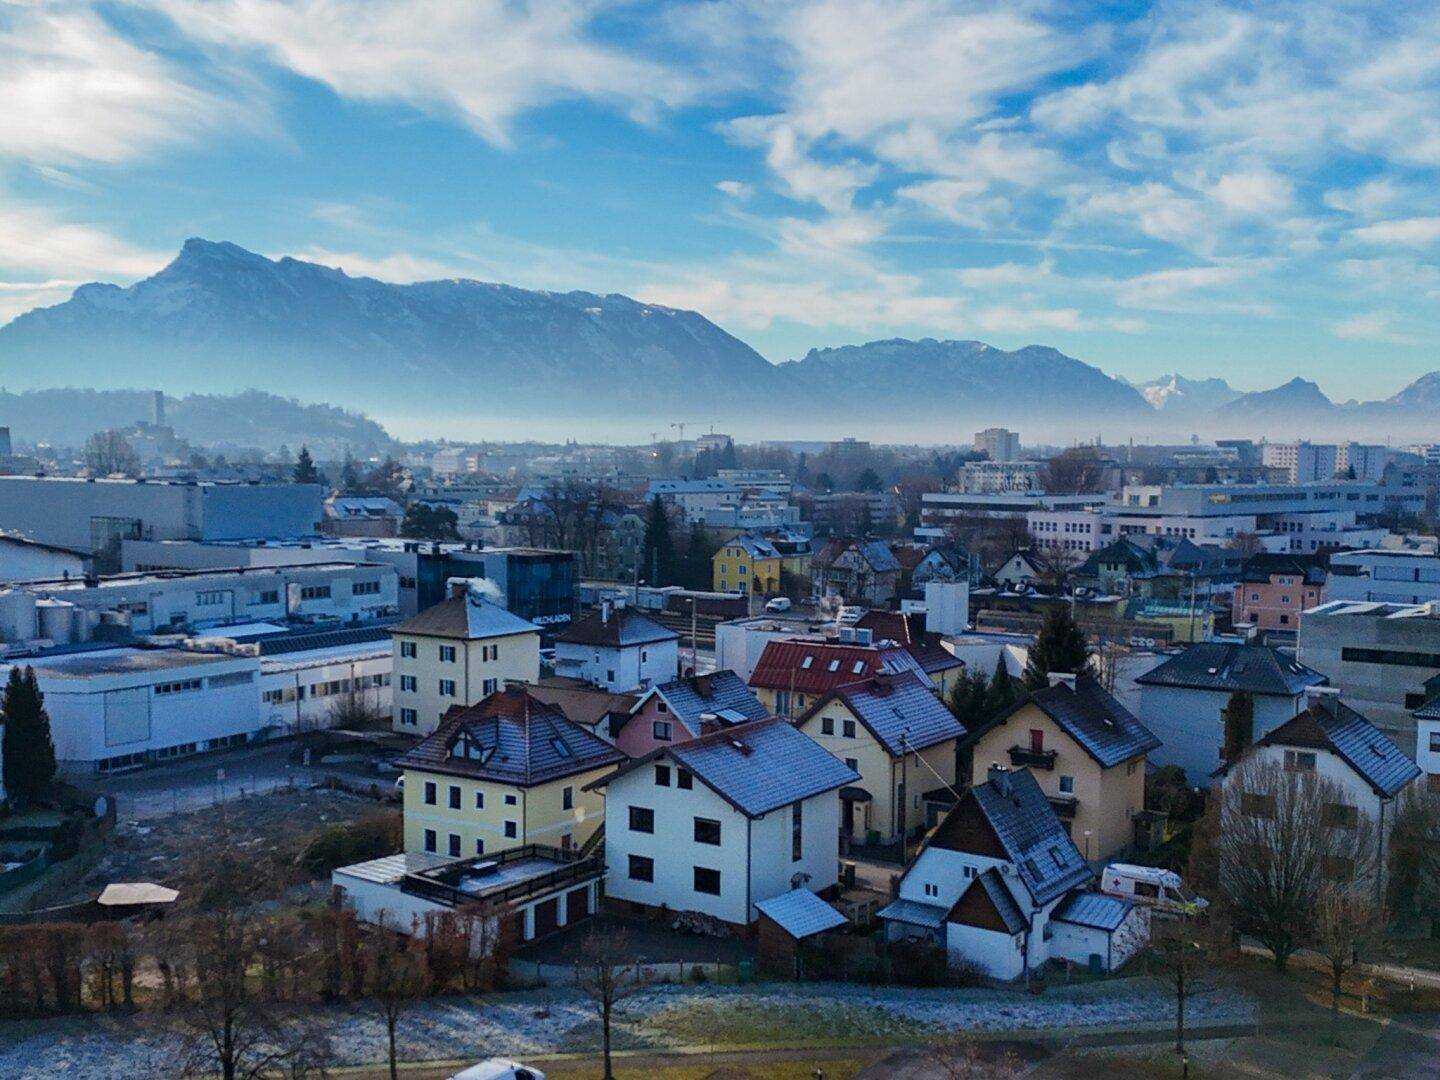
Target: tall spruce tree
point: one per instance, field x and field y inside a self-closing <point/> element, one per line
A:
<point x="29" y="751"/>
<point x="1001" y="693"/>
<point x="697" y="564"/>
<point x="1239" y="717"/>
<point x="658" y="567"/>
<point x="1060" y="646"/>
<point x="305" y="471"/>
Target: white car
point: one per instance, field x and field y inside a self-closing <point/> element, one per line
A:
<point x="498" y="1069"/>
<point x="777" y="604"/>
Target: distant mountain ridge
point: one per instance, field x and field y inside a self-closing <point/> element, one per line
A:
<point x="219" y="317"/>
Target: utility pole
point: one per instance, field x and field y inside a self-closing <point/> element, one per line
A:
<point x="694" y="645"/>
<point x="904" y="793"/>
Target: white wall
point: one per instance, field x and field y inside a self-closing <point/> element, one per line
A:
<point x="21" y="561"/>
<point x="1427" y="754"/>
<point x="293" y="680"/>
<point x="619" y="670"/>
<point x="1000" y="956"/>
<point x="1187" y="723"/>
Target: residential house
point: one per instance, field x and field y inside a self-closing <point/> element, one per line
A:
<point x="1182" y="698"/>
<point x="944" y="562"/>
<point x="909" y="631"/>
<point x="747" y="564"/>
<point x="361" y="515"/>
<point x="686" y="708"/>
<point x="860" y="571"/>
<point x="1427" y="738"/>
<point x="898" y="736"/>
<point x="458" y="652"/>
<point x="1086" y="751"/>
<point x="1161" y="568"/>
<point x="1274" y="588"/>
<point x="619" y="649"/>
<point x="1001" y="887"/>
<point x="1331" y="741"/>
<point x="588" y="705"/>
<point x="508" y="771"/>
<point x="1021" y="568"/>
<point x="716" y="824"/>
<point x="792" y="675"/>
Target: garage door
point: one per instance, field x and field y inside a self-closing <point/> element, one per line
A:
<point x="547" y="917"/>
<point x="577" y="905"/>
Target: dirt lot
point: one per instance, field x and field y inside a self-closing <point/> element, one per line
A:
<point x="276" y="822"/>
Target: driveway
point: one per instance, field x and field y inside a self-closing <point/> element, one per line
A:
<point x="921" y="1063"/>
<point x="1409" y="1047"/>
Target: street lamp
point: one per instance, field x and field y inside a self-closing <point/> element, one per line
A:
<point x="1087" y="845"/>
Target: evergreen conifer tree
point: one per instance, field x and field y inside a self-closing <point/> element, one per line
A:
<point x="28" y="749"/>
<point x="1060" y="646"/>
<point x="305" y="471"/>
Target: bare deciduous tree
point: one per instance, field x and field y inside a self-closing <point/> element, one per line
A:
<point x="398" y="975"/>
<point x="602" y="976"/>
<point x="1077" y="471"/>
<point x="1347" y="920"/>
<point x="1284" y="834"/>
<point x="1182" y="952"/>
<point x="959" y="1058"/>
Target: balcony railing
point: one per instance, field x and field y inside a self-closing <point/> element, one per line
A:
<point x="1064" y="806"/>
<point x="1023" y="757"/>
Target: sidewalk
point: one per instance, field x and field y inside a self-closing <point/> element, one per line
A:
<point x="1396" y="973"/>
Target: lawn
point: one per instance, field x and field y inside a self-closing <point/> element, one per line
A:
<point x="791" y="1069"/>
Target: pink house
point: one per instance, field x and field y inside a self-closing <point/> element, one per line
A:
<point x="682" y="709"/>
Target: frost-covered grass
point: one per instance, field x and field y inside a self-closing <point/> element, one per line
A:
<point x="662" y="1017"/>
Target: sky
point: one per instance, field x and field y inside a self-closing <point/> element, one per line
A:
<point x="1238" y="190"/>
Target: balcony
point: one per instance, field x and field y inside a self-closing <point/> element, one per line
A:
<point x="1064" y="806"/>
<point x="1023" y="757"/>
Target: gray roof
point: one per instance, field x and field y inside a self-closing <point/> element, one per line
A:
<point x="616" y="628"/>
<point x="470" y="617"/>
<point x="1214" y="665"/>
<point x="1042" y="852"/>
<point x="878" y="554"/>
<point x="1429" y="711"/>
<point x="1093" y="909"/>
<point x="801" y="914"/>
<point x="1330" y="724"/>
<point x="721" y="692"/>
<point x="123" y="661"/>
<point x="1094" y="718"/>
<point x="1003" y="899"/>
<point x="914" y="912"/>
<point x="756" y="767"/>
<point x="899" y="708"/>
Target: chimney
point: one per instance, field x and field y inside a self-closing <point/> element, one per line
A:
<point x="1058" y="677"/>
<point x="1315" y="695"/>
<point x="157" y="408"/>
<point x="605" y="611"/>
<point x="999" y="776"/>
<point x="456" y="587"/>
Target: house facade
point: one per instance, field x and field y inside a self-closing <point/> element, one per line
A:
<point x="687" y="708"/>
<point x="1274" y="589"/>
<point x="1085" y="750"/>
<point x="619" y="649"/>
<point x="457" y="652"/>
<point x="747" y="564"/>
<point x="792" y="674"/>
<point x="861" y="571"/>
<point x="507" y="771"/>
<point x="714" y="825"/>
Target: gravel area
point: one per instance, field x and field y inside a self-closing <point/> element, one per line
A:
<point x="540" y="1022"/>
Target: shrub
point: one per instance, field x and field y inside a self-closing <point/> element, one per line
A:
<point x="369" y="837"/>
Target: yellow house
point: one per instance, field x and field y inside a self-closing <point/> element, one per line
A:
<point x="747" y="564"/>
<point x="1086" y="750"/>
<point x="893" y="731"/>
<point x="511" y="770"/>
<point x="458" y="652"/>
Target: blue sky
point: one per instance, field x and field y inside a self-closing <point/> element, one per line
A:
<point x="1247" y="191"/>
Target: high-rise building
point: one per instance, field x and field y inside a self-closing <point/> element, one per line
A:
<point x="1000" y="444"/>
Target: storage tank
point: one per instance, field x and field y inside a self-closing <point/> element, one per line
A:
<point x="18" y="621"/>
<point x="57" y="621"/>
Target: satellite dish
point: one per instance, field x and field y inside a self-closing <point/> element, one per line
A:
<point x="101" y="808"/>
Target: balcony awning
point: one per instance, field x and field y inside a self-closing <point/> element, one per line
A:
<point x="855" y="794"/>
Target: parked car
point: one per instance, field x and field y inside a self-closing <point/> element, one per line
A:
<point x="1152" y="887"/>
<point x="499" y="1069"/>
<point x="777" y="604"/>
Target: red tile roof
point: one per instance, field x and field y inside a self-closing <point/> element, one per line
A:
<point x="782" y="666"/>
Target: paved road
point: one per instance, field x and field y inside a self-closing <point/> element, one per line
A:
<point x="1408" y="1048"/>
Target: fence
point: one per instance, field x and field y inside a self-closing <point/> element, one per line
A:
<point x="24" y="873"/>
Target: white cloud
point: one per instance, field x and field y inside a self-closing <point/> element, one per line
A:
<point x="736" y="189"/>
<point x="1203" y="289"/>
<point x="1408" y="232"/>
<point x="1258" y="191"/>
<point x="35" y="240"/>
<point x="1370" y="326"/>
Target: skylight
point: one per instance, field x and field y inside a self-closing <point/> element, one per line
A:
<point x="834" y="665"/>
<point x="560" y="748"/>
<point x="807" y="662"/>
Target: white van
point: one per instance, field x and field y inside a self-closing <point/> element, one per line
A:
<point x="498" y="1069"/>
<point x="777" y="604"/>
<point x="1152" y="887"/>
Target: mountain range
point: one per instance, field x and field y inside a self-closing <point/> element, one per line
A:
<point x="221" y="318"/>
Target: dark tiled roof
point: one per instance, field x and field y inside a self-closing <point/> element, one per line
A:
<point x="1214" y="665"/>
<point x="1429" y="711"/>
<point x="470" y="617"/>
<point x="1044" y="856"/>
<point x="1261" y="567"/>
<point x="516" y="739"/>
<point x="722" y="692"/>
<point x="898" y="708"/>
<point x="585" y="704"/>
<point x="782" y="665"/>
<point x="756" y="767"/>
<point x="1003" y="899"/>
<point x="622" y="628"/>
<point x="878" y="554"/>
<point x="1332" y="725"/>
<point x="1102" y="727"/>
<point x="1093" y="909"/>
<point x="909" y="631"/>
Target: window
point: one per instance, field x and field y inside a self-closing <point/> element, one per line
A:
<point x="827" y="725"/>
<point x="567" y="799"/>
<point x="510" y="799"/>
<point x="797" y="832"/>
<point x="432" y="793"/>
<point x="365" y="588"/>
<point x="407" y="683"/>
<point x="266" y="596"/>
<point x="969" y="872"/>
<point x="512" y="830"/>
<point x="407" y="650"/>
<point x="1037" y="741"/>
<point x="488" y="686"/>
<point x="184" y="686"/>
<point x="1339" y="816"/>
<point x="454" y="797"/>
<point x="847" y="728"/>
<point x="315" y="592"/>
<point x="1300" y="760"/>
<point x="662" y="775"/>
<point x="210" y="597"/>
<point x="447" y="654"/>
<point x="447" y="687"/>
<point x="479" y="800"/>
<point x="409" y="717"/>
<point x="660" y="729"/>
<point x="661" y="707"/>
<point x="479" y="846"/>
<point x="1392" y="657"/>
<point x="432" y="841"/>
<point x="642" y="819"/>
<point x="683" y="780"/>
<point x="610" y="675"/>
<point x="931" y="890"/>
<point x="642" y="868"/>
<point x="454" y="845"/>
<point x="1435" y="742"/>
<point x="1256" y="804"/>
<point x="707" y="881"/>
<point x="707" y="831"/>
<point x="853" y="764"/>
<point x="1067" y="785"/>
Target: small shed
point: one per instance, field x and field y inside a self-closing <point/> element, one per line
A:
<point x="785" y="921"/>
<point x="126" y="899"/>
<point x="1100" y="931"/>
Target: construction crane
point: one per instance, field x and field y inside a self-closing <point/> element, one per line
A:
<point x="681" y="425"/>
